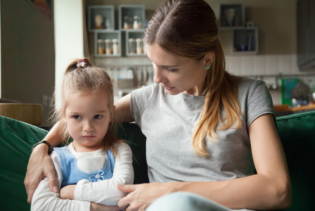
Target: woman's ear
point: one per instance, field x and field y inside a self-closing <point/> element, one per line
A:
<point x="209" y="58"/>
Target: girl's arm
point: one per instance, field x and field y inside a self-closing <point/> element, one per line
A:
<point x="105" y="191"/>
<point x="44" y="199"/>
<point x="270" y="188"/>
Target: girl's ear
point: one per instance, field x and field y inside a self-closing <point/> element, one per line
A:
<point x="63" y="115"/>
<point x="111" y="115"/>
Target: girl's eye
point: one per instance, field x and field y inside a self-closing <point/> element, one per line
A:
<point x="170" y="70"/>
<point x="77" y="117"/>
<point x="98" y="116"/>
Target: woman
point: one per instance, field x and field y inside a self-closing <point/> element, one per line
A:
<point x="207" y="131"/>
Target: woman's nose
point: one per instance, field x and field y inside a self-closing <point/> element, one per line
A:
<point x="158" y="77"/>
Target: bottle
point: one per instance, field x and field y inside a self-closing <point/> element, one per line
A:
<point x="136" y="22"/>
<point x="108" y="48"/>
<point x="139" y="46"/>
<point x="126" y="24"/>
<point x="100" y="46"/>
<point x="132" y="46"/>
<point x="115" y="47"/>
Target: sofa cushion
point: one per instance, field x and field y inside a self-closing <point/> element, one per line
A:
<point x="297" y="133"/>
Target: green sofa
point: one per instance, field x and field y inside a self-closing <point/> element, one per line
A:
<point x="297" y="133"/>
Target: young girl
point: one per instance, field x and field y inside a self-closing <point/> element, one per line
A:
<point x="96" y="157"/>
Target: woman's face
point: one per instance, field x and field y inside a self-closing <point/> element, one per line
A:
<point x="177" y="74"/>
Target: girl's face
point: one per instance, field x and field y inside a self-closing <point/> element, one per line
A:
<point x="178" y="74"/>
<point x="87" y="116"/>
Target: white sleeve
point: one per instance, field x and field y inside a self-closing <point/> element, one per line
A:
<point x="105" y="191"/>
<point x="44" y="199"/>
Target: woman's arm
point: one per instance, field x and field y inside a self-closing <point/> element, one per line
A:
<point x="105" y="191"/>
<point x="41" y="166"/>
<point x="123" y="109"/>
<point x="270" y="188"/>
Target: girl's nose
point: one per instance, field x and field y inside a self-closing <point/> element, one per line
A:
<point x="88" y="127"/>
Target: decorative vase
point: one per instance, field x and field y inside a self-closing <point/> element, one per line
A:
<point x="230" y="15"/>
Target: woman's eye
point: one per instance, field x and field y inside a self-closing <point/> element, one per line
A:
<point x="98" y="116"/>
<point x="170" y="70"/>
<point x="77" y="117"/>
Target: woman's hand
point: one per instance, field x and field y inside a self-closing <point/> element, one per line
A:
<point x="67" y="192"/>
<point x="100" y="207"/>
<point x="141" y="196"/>
<point x="40" y="165"/>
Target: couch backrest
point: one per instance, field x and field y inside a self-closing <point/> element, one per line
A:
<point x="297" y="133"/>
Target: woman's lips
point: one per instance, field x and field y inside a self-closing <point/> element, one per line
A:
<point x="168" y="88"/>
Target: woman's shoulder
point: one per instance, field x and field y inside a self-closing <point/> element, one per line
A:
<point x="248" y="85"/>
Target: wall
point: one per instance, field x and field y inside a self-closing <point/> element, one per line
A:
<point x="276" y="22"/>
<point x="275" y="19"/>
<point x="69" y="36"/>
<point x="27" y="50"/>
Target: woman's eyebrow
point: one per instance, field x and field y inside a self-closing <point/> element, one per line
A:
<point x="164" y="66"/>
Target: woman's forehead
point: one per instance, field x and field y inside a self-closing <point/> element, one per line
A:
<point x="161" y="57"/>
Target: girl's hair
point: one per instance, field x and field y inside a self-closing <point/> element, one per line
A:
<point x="188" y="28"/>
<point x="82" y="76"/>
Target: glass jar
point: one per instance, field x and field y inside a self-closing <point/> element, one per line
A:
<point x="132" y="46"/>
<point x="100" y="46"/>
<point x="115" y="47"/>
<point x="139" y="46"/>
<point x="127" y="23"/>
<point x="109" y="46"/>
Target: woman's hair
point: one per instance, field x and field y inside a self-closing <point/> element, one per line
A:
<point x="82" y="76"/>
<point x="188" y="28"/>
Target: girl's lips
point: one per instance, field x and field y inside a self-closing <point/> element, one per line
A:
<point x="88" y="137"/>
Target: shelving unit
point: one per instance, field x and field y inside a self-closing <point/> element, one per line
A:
<point x="231" y="16"/>
<point x="245" y="41"/>
<point x="107" y="12"/>
<point x="135" y="34"/>
<point x="108" y="35"/>
<point x="130" y="11"/>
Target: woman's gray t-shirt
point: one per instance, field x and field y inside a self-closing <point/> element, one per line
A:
<point x="167" y="122"/>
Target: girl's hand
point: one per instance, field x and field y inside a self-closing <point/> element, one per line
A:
<point x="67" y="192"/>
<point x="100" y="207"/>
<point x="40" y="165"/>
<point x="141" y="196"/>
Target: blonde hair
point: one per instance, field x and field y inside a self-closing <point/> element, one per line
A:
<point x="82" y="78"/>
<point x="188" y="28"/>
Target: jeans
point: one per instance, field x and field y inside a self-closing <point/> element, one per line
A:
<point x="184" y="201"/>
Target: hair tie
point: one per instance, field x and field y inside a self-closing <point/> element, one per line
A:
<point x="82" y="63"/>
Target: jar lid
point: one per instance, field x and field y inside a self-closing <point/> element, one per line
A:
<point x="131" y="40"/>
<point x="139" y="39"/>
<point x="107" y="40"/>
<point x="114" y="40"/>
<point x="100" y="40"/>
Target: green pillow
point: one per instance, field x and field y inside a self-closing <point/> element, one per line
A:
<point x="16" y="141"/>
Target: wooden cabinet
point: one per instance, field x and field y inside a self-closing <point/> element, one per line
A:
<point x="306" y="34"/>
